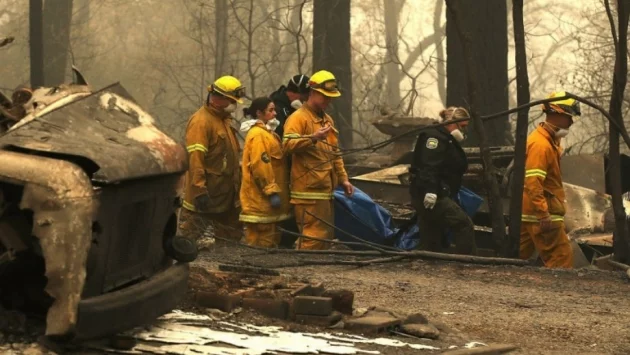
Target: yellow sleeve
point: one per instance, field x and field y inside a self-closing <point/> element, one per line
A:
<point x="260" y="163"/>
<point x="340" y="169"/>
<point x="536" y="163"/>
<point x="197" y="147"/>
<point x="295" y="138"/>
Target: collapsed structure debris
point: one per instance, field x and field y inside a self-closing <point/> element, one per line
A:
<point x="88" y="195"/>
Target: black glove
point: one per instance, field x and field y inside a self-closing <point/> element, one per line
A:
<point x="202" y="202"/>
<point x="275" y="201"/>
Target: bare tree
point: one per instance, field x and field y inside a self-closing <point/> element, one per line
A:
<point x="621" y="242"/>
<point x="518" y="177"/>
<point x="57" y="20"/>
<point x="36" y="34"/>
<point x="489" y="41"/>
<point x="332" y="51"/>
<point x="221" y="38"/>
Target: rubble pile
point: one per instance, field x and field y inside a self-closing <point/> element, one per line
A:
<point x="276" y="296"/>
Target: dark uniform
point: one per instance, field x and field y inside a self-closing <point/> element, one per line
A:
<point x="283" y="107"/>
<point x="439" y="163"/>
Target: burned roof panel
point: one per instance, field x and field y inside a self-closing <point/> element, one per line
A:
<point x="106" y="127"/>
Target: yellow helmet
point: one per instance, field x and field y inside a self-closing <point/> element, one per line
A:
<point x="324" y="82"/>
<point x="228" y="86"/>
<point x="568" y="106"/>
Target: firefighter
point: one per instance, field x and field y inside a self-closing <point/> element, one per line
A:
<point x="542" y="220"/>
<point x="213" y="177"/>
<point x="317" y="168"/>
<point x="265" y="188"/>
<point x="438" y="165"/>
<point x="287" y="99"/>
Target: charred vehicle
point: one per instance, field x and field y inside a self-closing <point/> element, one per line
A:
<point x="88" y="201"/>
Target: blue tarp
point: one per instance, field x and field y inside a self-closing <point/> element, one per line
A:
<point x="360" y="216"/>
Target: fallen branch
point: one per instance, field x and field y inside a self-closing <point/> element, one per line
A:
<point x="327" y="240"/>
<point x="419" y="254"/>
<point x="339" y="262"/>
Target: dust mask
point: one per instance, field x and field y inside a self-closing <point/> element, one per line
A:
<point x="561" y="132"/>
<point x="296" y="104"/>
<point x="230" y="108"/>
<point x="458" y="135"/>
<point x="272" y="124"/>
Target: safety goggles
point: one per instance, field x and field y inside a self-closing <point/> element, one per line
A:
<point x="237" y="93"/>
<point x="330" y="86"/>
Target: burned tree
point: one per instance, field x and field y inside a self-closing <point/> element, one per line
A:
<point x="36" y="38"/>
<point x="473" y="87"/>
<point x="522" y="93"/>
<point x="485" y="23"/>
<point x="57" y="18"/>
<point x="332" y="52"/>
<point x="621" y="240"/>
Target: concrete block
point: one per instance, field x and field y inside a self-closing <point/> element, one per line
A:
<point x="313" y="306"/>
<point x="343" y="300"/>
<point x="372" y="324"/>
<point x="268" y="307"/>
<point x="224" y="302"/>
<point x="322" y="321"/>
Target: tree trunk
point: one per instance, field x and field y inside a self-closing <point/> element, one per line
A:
<point x="621" y="240"/>
<point x="486" y="25"/>
<point x="439" y="51"/>
<point x="332" y="52"/>
<point x="394" y="77"/>
<point x="473" y="87"/>
<point x="57" y="23"/>
<point x="36" y="38"/>
<point x="220" y="39"/>
<point x="522" y="93"/>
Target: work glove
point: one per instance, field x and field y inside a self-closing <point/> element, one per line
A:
<point x="429" y="201"/>
<point x="202" y="202"/>
<point x="274" y="199"/>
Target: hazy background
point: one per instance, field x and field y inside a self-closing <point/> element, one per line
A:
<point x="165" y="52"/>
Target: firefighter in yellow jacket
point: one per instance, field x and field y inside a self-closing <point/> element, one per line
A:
<point x="317" y="168"/>
<point x="265" y="187"/>
<point x="542" y="222"/>
<point x="213" y="177"/>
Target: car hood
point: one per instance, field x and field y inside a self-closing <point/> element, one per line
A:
<point x="107" y="128"/>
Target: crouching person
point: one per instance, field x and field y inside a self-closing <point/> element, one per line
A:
<point x="265" y="185"/>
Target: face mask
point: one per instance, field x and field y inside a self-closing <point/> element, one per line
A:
<point x="230" y="108"/>
<point x="561" y="132"/>
<point x="296" y="104"/>
<point x="558" y="132"/>
<point x="272" y="124"/>
<point x="458" y="135"/>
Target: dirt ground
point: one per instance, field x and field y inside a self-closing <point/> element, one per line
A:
<point x="543" y="311"/>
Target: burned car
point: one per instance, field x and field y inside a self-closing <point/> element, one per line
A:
<point x="88" y="201"/>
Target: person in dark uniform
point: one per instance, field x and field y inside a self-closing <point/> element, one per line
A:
<point x="438" y="165"/>
<point x="287" y="99"/>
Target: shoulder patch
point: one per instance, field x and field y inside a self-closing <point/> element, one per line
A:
<point x="432" y="143"/>
<point x="265" y="157"/>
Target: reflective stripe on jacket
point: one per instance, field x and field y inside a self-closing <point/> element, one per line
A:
<point x="315" y="168"/>
<point x="543" y="193"/>
<point x="212" y="160"/>
<point x="264" y="173"/>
